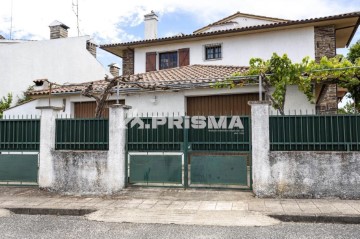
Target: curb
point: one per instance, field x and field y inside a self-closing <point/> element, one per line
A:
<point x="51" y="211"/>
<point x="346" y="219"/>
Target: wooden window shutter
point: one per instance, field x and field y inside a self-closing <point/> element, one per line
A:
<point x="184" y="57"/>
<point x="150" y="61"/>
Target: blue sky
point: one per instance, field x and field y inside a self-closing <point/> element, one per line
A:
<point x="111" y="21"/>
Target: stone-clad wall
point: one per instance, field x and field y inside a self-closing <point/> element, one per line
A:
<point x="325" y="45"/>
<point x="128" y="62"/>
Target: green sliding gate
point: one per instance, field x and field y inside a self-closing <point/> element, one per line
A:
<point x="217" y="155"/>
<point x="19" y="147"/>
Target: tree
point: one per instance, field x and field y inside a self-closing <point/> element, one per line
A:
<point x="5" y="103"/>
<point x="25" y="96"/>
<point x="354" y="52"/>
<point x="101" y="96"/>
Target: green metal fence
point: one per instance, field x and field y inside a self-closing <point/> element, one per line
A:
<point x="315" y="133"/>
<point x="164" y="138"/>
<point x="221" y="139"/>
<point x="19" y="134"/>
<point x="149" y="139"/>
<point x="82" y="134"/>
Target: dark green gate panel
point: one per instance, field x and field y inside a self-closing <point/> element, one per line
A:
<point x="19" y="167"/>
<point x="219" y="169"/>
<point x="156" y="169"/>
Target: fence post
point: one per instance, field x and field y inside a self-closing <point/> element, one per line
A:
<point x="116" y="166"/>
<point x="47" y="144"/>
<point x="260" y="147"/>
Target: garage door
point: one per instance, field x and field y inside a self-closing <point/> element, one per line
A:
<point x="87" y="109"/>
<point x="221" y="104"/>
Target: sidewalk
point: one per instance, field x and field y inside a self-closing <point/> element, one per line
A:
<point x="197" y="207"/>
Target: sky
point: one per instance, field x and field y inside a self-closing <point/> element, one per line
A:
<point x="113" y="21"/>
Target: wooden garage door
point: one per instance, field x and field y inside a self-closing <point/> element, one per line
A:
<point x="220" y="104"/>
<point x="87" y="109"/>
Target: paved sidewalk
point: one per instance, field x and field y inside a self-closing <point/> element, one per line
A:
<point x="159" y="205"/>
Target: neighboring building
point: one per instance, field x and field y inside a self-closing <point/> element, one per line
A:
<point x="60" y="60"/>
<point x="181" y="69"/>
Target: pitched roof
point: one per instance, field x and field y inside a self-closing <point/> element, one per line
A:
<point x="178" y="77"/>
<point x="124" y="45"/>
<point x="237" y="14"/>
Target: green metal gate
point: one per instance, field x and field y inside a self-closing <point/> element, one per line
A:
<point x="189" y="157"/>
<point x="19" y="147"/>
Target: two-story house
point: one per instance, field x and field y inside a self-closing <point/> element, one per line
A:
<point x="178" y="71"/>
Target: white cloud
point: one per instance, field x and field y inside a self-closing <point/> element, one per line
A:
<point x="106" y="19"/>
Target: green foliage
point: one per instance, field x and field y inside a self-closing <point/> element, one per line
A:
<point x="338" y="70"/>
<point x="25" y="96"/>
<point x="278" y="72"/>
<point x="5" y="103"/>
<point x="354" y="52"/>
<point x="348" y="108"/>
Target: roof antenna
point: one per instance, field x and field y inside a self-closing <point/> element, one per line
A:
<point x="75" y="8"/>
<point x="11" y="20"/>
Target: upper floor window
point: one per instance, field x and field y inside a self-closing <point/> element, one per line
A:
<point x="168" y="60"/>
<point x="213" y="52"/>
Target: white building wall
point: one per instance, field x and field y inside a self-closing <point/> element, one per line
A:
<point x="58" y="60"/>
<point x="238" y="50"/>
<point x="241" y="22"/>
<point x="166" y="102"/>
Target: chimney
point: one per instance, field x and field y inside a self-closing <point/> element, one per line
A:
<point x="41" y="84"/>
<point x="58" y="30"/>
<point x="151" y="21"/>
<point x="114" y="69"/>
<point x="91" y="47"/>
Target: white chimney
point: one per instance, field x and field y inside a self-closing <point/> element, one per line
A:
<point x="151" y="21"/>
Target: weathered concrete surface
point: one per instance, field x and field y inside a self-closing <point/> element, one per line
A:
<point x="4" y="213"/>
<point x="47" y="144"/>
<point x="297" y="174"/>
<point x="260" y="137"/>
<point x="80" y="172"/>
<point x="184" y="217"/>
<point x="117" y="152"/>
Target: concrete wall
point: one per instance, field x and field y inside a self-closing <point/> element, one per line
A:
<point x="80" y="172"/>
<point x="167" y="102"/>
<point x="238" y="50"/>
<point x="58" y="60"/>
<point x="314" y="174"/>
<point x="83" y="172"/>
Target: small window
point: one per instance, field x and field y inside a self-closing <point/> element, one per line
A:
<point x="168" y="60"/>
<point x="213" y="52"/>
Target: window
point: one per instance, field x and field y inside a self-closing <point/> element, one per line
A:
<point x="168" y="60"/>
<point x="213" y="52"/>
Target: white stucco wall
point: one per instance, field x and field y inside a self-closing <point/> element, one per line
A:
<point x="241" y="22"/>
<point x="166" y="102"/>
<point x="238" y="50"/>
<point x="59" y="60"/>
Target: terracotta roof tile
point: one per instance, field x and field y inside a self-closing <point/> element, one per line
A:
<point x="240" y="29"/>
<point x="175" y="77"/>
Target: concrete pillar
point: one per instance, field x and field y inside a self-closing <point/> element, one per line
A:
<point x="116" y="169"/>
<point x="261" y="173"/>
<point x="47" y="144"/>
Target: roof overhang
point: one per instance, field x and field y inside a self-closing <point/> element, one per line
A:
<point x="345" y="25"/>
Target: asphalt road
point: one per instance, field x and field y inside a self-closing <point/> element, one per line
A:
<point x="25" y="226"/>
